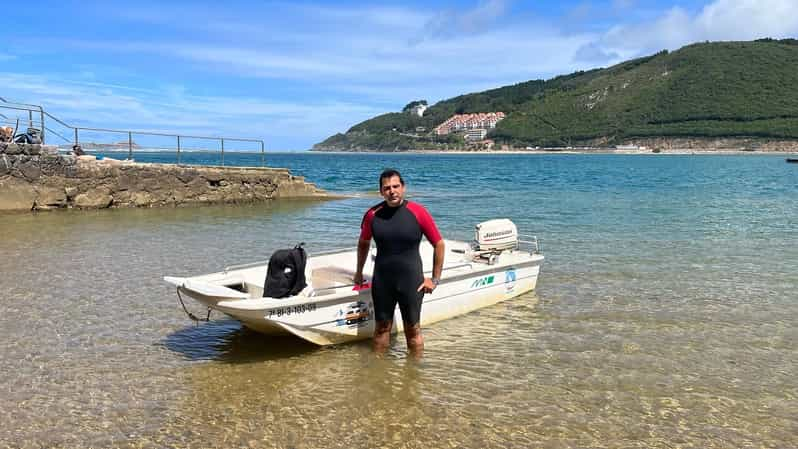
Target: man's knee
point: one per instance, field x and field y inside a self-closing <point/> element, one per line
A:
<point x="382" y="328"/>
<point x="413" y="334"/>
<point x="382" y="335"/>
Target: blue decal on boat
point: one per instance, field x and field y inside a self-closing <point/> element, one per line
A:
<point x="509" y="279"/>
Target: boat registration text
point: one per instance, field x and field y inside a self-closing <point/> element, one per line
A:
<point x="293" y="310"/>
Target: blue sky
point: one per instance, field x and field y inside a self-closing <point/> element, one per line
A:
<point x="293" y="73"/>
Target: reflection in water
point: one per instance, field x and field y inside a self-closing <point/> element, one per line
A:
<point x="228" y="341"/>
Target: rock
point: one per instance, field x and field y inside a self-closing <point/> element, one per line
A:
<point x="126" y="181"/>
<point x="141" y="199"/>
<point x="16" y="195"/>
<point x="70" y="192"/>
<point x="298" y="188"/>
<point x="178" y="196"/>
<point x="50" y="198"/>
<point x="71" y="171"/>
<point x="51" y="150"/>
<point x="197" y="185"/>
<point x="122" y="198"/>
<point x="5" y="165"/>
<point x="31" y="170"/>
<point x="13" y="148"/>
<point x="187" y="175"/>
<point x="213" y="176"/>
<point x="94" y="199"/>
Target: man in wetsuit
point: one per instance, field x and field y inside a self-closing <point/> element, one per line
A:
<point x="397" y="226"/>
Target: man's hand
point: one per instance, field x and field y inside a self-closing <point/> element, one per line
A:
<point x="358" y="278"/>
<point x="427" y="286"/>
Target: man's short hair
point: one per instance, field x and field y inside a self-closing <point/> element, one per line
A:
<point x="390" y="173"/>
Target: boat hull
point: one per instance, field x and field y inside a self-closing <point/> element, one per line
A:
<point x="340" y="322"/>
<point x="338" y="313"/>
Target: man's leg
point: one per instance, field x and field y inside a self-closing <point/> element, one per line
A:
<point x="382" y="336"/>
<point x="415" y="341"/>
<point x="410" y="306"/>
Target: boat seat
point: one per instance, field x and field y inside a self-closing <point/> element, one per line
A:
<point x="325" y="279"/>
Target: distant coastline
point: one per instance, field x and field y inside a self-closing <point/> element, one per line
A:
<point x="675" y="151"/>
<point x="658" y="145"/>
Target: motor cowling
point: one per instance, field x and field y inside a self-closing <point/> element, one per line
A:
<point x="496" y="235"/>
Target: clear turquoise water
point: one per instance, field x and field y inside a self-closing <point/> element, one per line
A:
<point x="664" y="315"/>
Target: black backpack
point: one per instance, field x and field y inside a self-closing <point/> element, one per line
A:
<point x="286" y="273"/>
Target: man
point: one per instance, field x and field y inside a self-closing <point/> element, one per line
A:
<point x="397" y="226"/>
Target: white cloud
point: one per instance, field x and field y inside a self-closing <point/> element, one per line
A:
<point x="455" y="22"/>
<point x="719" y="20"/>
<point x="385" y="60"/>
<point x="85" y="105"/>
<point x="748" y="19"/>
<point x="593" y="53"/>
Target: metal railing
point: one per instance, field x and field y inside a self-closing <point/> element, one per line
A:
<point x="531" y="241"/>
<point x="36" y="119"/>
<point x="24" y="107"/>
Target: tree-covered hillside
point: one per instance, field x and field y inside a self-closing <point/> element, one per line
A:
<point x="719" y="89"/>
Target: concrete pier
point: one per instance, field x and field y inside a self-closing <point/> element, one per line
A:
<point x="36" y="177"/>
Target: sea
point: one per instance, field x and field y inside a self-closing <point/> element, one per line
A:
<point x="664" y="317"/>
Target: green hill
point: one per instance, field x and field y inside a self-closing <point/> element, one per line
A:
<point x="706" y="90"/>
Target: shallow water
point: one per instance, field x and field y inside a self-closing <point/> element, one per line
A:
<point x="664" y="316"/>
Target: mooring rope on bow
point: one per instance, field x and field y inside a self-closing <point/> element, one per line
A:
<point x="191" y="315"/>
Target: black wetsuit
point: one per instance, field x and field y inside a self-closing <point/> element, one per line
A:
<point x="398" y="269"/>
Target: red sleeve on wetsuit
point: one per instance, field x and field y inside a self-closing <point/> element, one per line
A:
<point x="365" y="225"/>
<point x="425" y="221"/>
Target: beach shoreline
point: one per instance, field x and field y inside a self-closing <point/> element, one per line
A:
<point x="680" y="151"/>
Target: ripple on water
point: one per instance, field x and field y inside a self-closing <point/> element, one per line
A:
<point x="664" y="317"/>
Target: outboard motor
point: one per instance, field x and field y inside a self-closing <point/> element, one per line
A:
<point x="286" y="274"/>
<point x="491" y="238"/>
<point x="496" y="235"/>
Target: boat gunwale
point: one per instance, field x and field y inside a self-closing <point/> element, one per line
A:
<point x="267" y="303"/>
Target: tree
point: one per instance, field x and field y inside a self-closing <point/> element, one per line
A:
<point x="413" y="104"/>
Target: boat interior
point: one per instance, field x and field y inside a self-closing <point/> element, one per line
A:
<point x="326" y="273"/>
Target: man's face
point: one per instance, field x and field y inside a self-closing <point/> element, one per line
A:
<point x="393" y="191"/>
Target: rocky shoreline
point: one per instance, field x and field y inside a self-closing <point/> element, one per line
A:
<point x="36" y="177"/>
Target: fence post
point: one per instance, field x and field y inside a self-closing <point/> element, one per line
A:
<point x="76" y="137"/>
<point x="178" y="150"/>
<point x="222" y="151"/>
<point x="41" y="111"/>
<point x="30" y="118"/>
<point x="262" y="155"/>
<point x="130" y="145"/>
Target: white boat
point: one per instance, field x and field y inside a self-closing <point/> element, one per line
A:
<point x="499" y="264"/>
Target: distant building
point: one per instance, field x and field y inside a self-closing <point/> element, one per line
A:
<point x="474" y="135"/>
<point x="418" y="109"/>
<point x="463" y="122"/>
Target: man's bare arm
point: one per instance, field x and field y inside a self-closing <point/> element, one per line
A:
<point x="362" y="252"/>
<point x="428" y="285"/>
<point x="437" y="259"/>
